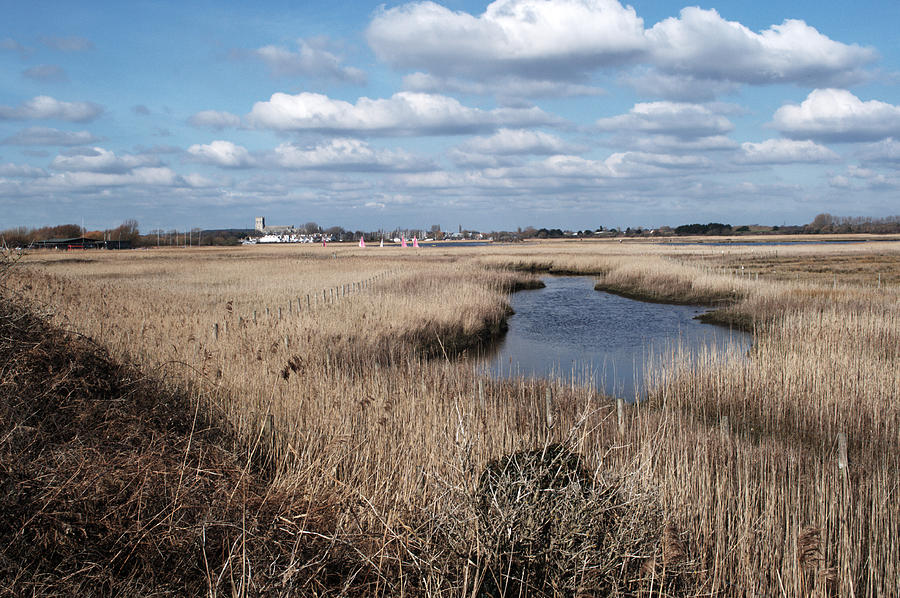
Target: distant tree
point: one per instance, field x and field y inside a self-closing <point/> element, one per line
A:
<point x="127" y="231"/>
<point x="821" y="223"/>
<point x="311" y="228"/>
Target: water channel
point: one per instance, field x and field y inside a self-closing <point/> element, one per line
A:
<point x="569" y="330"/>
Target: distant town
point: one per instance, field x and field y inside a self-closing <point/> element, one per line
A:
<point x="128" y="235"/>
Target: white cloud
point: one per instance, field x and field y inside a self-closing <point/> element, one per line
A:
<point x="199" y="181"/>
<point x="677" y="87"/>
<point x="561" y="39"/>
<point x="631" y="164"/>
<point x="46" y="108"/>
<point x="21" y="171"/>
<point x="45" y="72"/>
<point x="703" y="44"/>
<point x="671" y="143"/>
<point x="838" y="115"/>
<point x="886" y="150"/>
<point x="156" y="176"/>
<point x="785" y="151"/>
<point x="669" y="118"/>
<point x="404" y="113"/>
<point x="214" y="119"/>
<point x="8" y="43"/>
<point x="48" y="136"/>
<point x="517" y="141"/>
<point x="222" y="153"/>
<point x="101" y="160"/>
<point x="503" y="86"/>
<point x="839" y="181"/>
<point x="311" y="59"/>
<point x="68" y="44"/>
<point x="690" y="57"/>
<point x="346" y="154"/>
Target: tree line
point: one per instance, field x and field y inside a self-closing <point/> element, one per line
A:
<point x="129" y="232"/>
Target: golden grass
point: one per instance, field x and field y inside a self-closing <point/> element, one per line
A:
<point x="349" y="396"/>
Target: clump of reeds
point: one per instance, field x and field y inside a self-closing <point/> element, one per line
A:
<point x="549" y="527"/>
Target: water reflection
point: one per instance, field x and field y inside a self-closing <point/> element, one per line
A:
<point x="570" y="330"/>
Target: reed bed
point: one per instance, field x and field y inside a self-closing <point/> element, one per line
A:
<point x="730" y="480"/>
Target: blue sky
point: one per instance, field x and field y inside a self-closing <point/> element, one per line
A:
<point x="558" y="113"/>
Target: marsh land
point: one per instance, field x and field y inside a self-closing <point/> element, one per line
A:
<point x="290" y="420"/>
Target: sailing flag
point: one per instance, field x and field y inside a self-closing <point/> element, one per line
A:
<point x="402" y="241"/>
<point x="415" y="242"/>
<point x="362" y="243"/>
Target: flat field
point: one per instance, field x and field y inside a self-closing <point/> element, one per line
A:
<point x="342" y="373"/>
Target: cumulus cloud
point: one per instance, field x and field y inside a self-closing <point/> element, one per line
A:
<point x="785" y="151"/>
<point x="404" y="113"/>
<point x="21" y="171"/>
<point x="222" y="153"/>
<point x="48" y="108"/>
<point x="100" y="160"/>
<point x="507" y="86"/>
<point x="681" y="120"/>
<point x="838" y="115"/>
<point x="8" y="43"/>
<point x="703" y="44"/>
<point x="312" y="59"/>
<point x="839" y="182"/>
<point x="68" y="44"/>
<point x="630" y="164"/>
<point x="557" y="40"/>
<point x="886" y="150"/>
<point x="146" y="176"/>
<point x="199" y="181"/>
<point x="48" y="136"/>
<point x="348" y="155"/>
<point x="214" y="119"/>
<point x="46" y="73"/>
<point x="690" y="57"/>
<point x="671" y="143"/>
<point x="517" y="141"/>
<point x="677" y="87"/>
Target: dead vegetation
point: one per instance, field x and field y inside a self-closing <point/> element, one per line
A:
<point x="358" y="457"/>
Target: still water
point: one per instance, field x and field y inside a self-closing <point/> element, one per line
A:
<point x="570" y="330"/>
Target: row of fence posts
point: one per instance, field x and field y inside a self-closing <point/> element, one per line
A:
<point x="549" y="408"/>
<point x="331" y="295"/>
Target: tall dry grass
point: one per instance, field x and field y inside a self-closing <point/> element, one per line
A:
<point x="353" y="397"/>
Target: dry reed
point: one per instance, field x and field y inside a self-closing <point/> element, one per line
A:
<point x="336" y="368"/>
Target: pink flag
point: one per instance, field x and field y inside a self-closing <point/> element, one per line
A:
<point x="362" y="243"/>
<point x="402" y="241"/>
<point x="415" y="242"/>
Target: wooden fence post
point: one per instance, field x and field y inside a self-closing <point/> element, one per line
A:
<point x="843" y="463"/>
<point x="548" y="403"/>
<point x="620" y="410"/>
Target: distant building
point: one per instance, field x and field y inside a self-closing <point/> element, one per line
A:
<point x="273" y="229"/>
